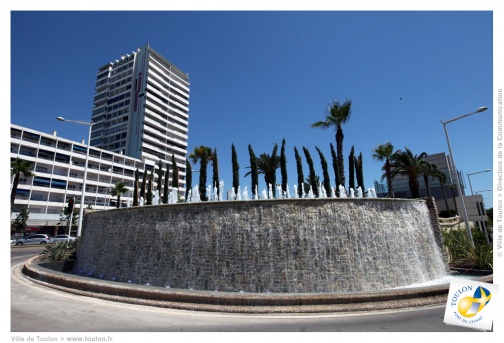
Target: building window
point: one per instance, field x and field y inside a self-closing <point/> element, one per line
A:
<point x="41" y="181"/>
<point x="79" y="149"/>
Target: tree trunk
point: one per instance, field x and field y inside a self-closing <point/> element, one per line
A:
<point x="203" y="178"/>
<point x="336" y="170"/>
<point x="413" y="185"/>
<point x="388" y="175"/>
<point x="427" y="186"/>
<point x="14" y="189"/>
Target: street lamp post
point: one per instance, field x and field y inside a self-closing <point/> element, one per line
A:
<point x="469" y="178"/>
<point x="81" y="209"/>
<point x="459" y="190"/>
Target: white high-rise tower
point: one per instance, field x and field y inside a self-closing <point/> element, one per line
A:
<point x="141" y="108"/>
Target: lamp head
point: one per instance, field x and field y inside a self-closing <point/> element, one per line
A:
<point x="485" y="190"/>
<point x="482" y="109"/>
<point x="60" y="118"/>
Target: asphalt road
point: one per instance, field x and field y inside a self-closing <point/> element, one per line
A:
<point x="38" y="309"/>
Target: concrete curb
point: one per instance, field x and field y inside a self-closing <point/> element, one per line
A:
<point x="238" y="302"/>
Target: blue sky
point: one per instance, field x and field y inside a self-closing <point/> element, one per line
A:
<point x="258" y="77"/>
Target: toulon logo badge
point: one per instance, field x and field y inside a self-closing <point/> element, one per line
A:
<point x="471" y="304"/>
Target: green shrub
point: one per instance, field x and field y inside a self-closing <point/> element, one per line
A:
<point x="61" y="251"/>
<point x="457" y="244"/>
<point x="462" y="254"/>
<point x="480" y="236"/>
<point x="481" y="255"/>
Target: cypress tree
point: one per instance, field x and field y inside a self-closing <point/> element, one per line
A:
<point x="166" y="188"/>
<point x="175" y="173"/>
<point x="274" y="157"/>
<point x="144" y="185"/>
<point x="215" y="171"/>
<point x="253" y="170"/>
<point x="360" y="172"/>
<point x="203" y="178"/>
<point x="135" y="191"/>
<point x="283" y="167"/>
<point x="337" y="178"/>
<point x="188" y="177"/>
<point x="149" y="188"/>
<point x="299" y="165"/>
<point x="327" y="181"/>
<point x="351" y="169"/>
<point x="311" y="176"/>
<point x="160" y="178"/>
<point x="236" y="169"/>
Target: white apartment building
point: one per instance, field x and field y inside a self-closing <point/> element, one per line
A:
<point x="58" y="165"/>
<point x="141" y="107"/>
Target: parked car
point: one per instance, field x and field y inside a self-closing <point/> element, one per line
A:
<point x="63" y="238"/>
<point x="12" y="240"/>
<point x="35" y="239"/>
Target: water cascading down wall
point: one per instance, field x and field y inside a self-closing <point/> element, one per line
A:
<point x="260" y="246"/>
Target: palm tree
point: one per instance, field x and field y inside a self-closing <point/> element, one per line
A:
<point x="309" y="182"/>
<point x="339" y="114"/>
<point x="117" y="190"/>
<point x="18" y="168"/>
<point x="267" y="166"/>
<point x="337" y="177"/>
<point x="409" y="165"/>
<point x="437" y="174"/>
<point x="384" y="152"/>
<point x="428" y="170"/>
<point x="202" y="154"/>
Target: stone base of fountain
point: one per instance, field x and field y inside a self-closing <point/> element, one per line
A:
<point x="232" y="302"/>
<point x="266" y="246"/>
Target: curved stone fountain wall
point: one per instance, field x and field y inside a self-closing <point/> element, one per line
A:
<point x="290" y="245"/>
